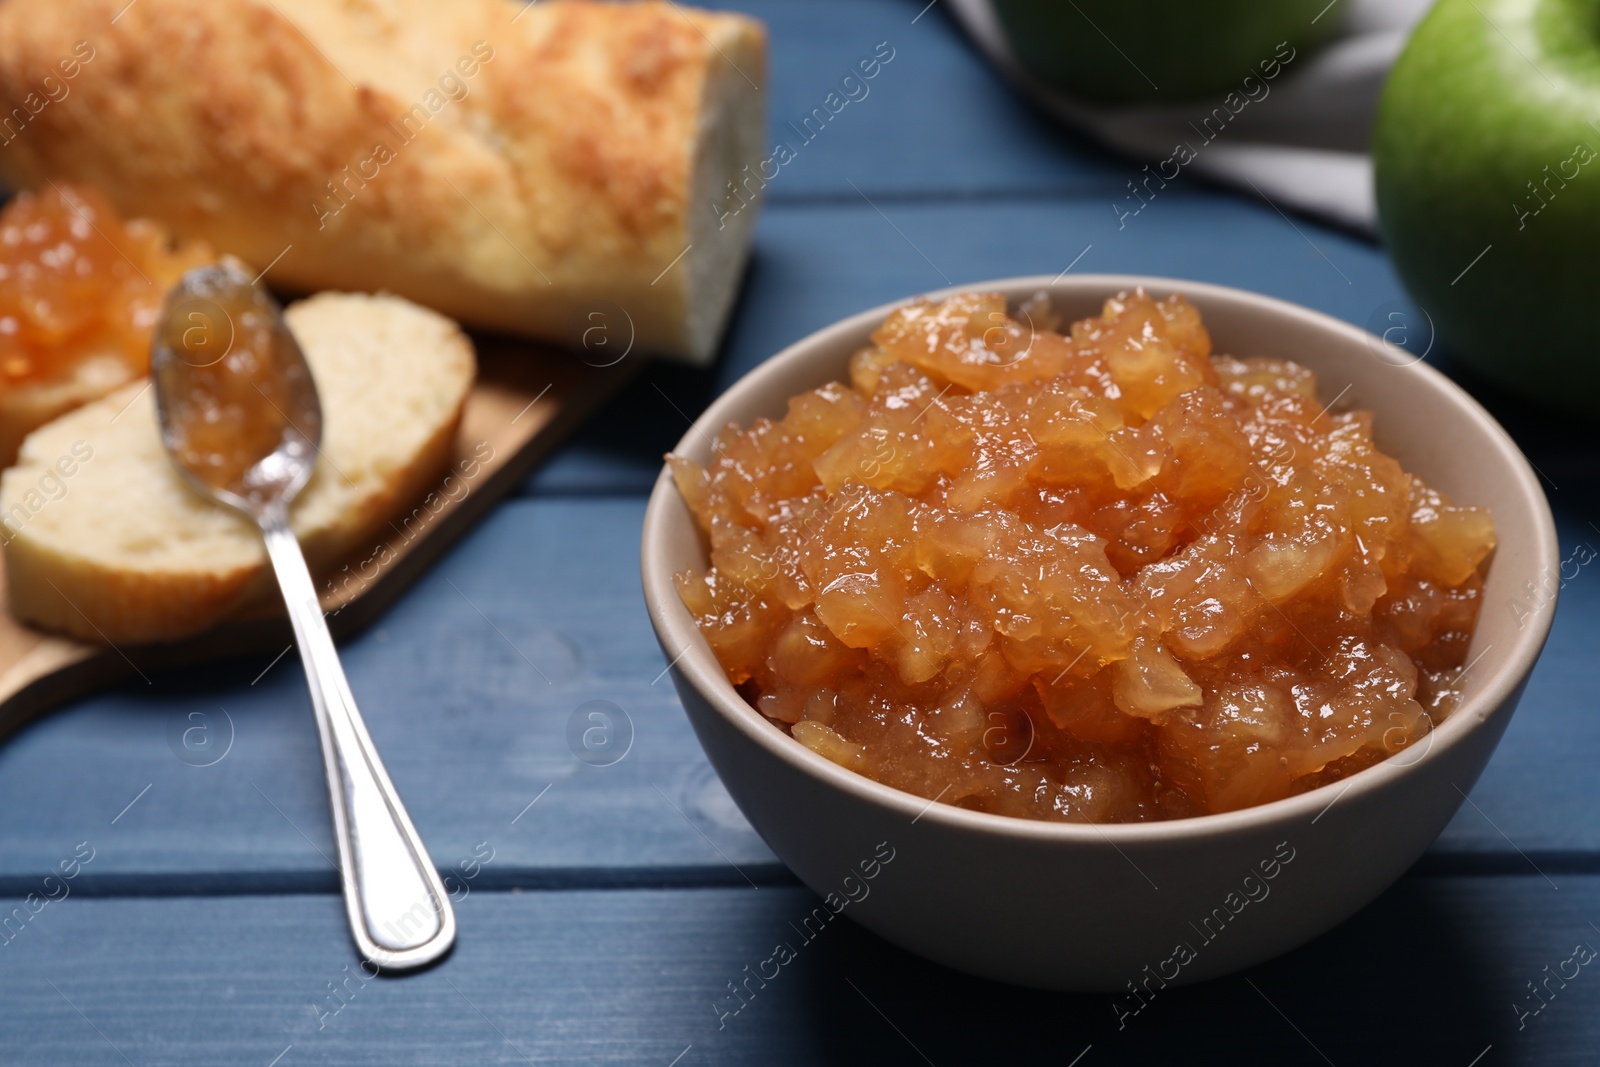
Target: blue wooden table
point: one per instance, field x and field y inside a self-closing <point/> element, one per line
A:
<point x="605" y="908"/>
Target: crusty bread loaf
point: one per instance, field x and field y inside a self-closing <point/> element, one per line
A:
<point x="104" y="540"/>
<point x="517" y="166"/>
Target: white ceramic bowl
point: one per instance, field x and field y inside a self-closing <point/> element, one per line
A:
<point x="1114" y="907"/>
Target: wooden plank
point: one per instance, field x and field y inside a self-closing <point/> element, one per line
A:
<point x="470" y="685"/>
<point x="845" y="257"/>
<point x="935" y="119"/>
<point x="815" y="264"/>
<point x="524" y="400"/>
<point x="1431" y="973"/>
<point x="1540" y="793"/>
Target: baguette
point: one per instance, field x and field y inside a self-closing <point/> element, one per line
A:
<point x="105" y="541"/>
<point x="523" y="168"/>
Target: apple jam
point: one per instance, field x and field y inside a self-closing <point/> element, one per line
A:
<point x="79" y="283"/>
<point x="1098" y="576"/>
<point x="232" y="391"/>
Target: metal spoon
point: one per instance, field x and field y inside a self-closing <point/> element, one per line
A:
<point x="241" y="421"/>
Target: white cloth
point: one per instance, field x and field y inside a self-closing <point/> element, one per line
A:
<point x="1303" y="146"/>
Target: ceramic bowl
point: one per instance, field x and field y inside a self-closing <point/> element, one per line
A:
<point x="1128" y="908"/>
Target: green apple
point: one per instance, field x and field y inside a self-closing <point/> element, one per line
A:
<point x="1487" y="158"/>
<point x="1127" y="50"/>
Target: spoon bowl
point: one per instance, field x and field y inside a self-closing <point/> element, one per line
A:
<point x="211" y="377"/>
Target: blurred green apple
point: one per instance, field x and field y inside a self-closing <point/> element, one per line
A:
<point x="1129" y="50"/>
<point x="1487" y="157"/>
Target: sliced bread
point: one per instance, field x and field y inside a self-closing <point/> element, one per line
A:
<point x="104" y="540"/>
<point x="24" y="408"/>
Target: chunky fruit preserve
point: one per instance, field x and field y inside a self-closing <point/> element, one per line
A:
<point x="79" y="283"/>
<point x="232" y="390"/>
<point x="1099" y="575"/>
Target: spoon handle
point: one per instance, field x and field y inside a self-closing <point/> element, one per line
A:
<point x="399" y="912"/>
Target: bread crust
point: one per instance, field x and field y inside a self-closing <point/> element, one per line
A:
<point x="570" y="170"/>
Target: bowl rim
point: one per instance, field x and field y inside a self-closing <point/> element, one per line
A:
<point x="695" y="662"/>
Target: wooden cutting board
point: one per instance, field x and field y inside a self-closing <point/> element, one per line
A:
<point x="526" y="400"/>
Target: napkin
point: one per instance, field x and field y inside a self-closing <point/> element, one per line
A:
<point x="1300" y="144"/>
